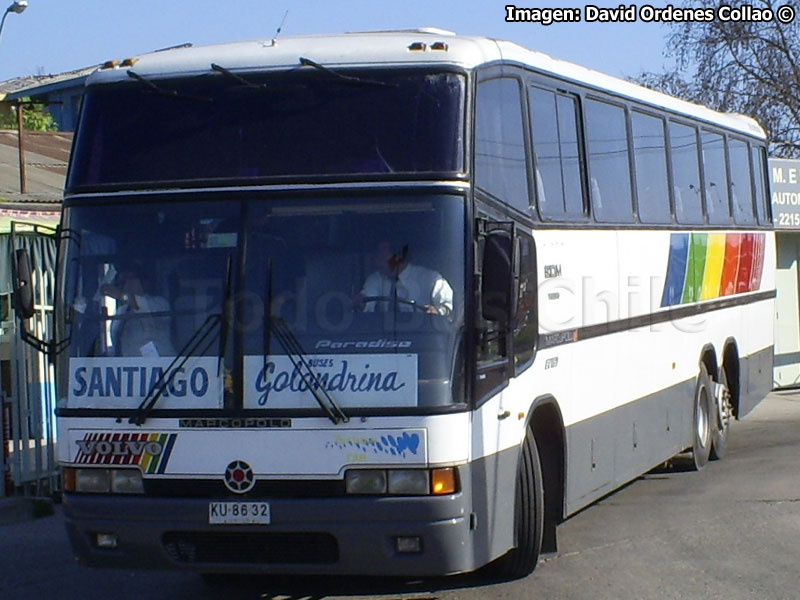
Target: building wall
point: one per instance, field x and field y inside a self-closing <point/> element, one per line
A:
<point x="785" y="179"/>
<point x="65" y="113"/>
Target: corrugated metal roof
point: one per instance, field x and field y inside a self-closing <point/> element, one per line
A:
<point x="18" y="85"/>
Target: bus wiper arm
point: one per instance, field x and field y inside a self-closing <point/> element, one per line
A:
<point x="307" y="62"/>
<point x="237" y="78"/>
<point x="297" y="355"/>
<point x="294" y="350"/>
<point x="226" y="314"/>
<point x="163" y="91"/>
<point x="267" y="337"/>
<point x="189" y="349"/>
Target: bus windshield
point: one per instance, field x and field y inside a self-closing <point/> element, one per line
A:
<point x="366" y="293"/>
<point x="300" y="123"/>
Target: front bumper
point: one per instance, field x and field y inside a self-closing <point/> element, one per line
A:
<point x="342" y="535"/>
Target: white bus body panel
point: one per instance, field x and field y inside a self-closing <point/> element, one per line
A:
<point x="309" y="448"/>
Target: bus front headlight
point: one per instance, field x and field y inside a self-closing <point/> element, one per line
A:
<point x="409" y="482"/>
<point x="365" y="481"/>
<point x="402" y="482"/>
<point x="93" y="481"/>
<point x="126" y="481"/>
<point x="103" y="481"/>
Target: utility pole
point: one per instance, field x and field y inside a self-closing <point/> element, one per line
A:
<point x="20" y="105"/>
<point x="23" y="188"/>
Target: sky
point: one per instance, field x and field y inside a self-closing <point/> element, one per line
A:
<point x="53" y="36"/>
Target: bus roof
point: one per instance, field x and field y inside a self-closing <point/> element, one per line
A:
<point x="428" y="46"/>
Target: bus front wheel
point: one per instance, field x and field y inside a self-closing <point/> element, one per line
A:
<point x="528" y="515"/>
<point x="704" y="418"/>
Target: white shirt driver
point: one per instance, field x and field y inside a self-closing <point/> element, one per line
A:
<point x="418" y="284"/>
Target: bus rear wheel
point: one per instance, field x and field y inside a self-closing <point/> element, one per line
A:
<point x="704" y="417"/>
<point x="721" y="419"/>
<point x="528" y="515"/>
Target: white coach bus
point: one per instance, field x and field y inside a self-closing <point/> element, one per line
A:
<point x="392" y="303"/>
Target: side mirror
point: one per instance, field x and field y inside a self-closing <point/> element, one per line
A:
<point x="23" y="287"/>
<point x="497" y="297"/>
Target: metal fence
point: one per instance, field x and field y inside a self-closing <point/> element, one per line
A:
<point x="28" y="397"/>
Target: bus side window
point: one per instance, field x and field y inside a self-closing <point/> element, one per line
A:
<point x="557" y="158"/>
<point x="525" y="322"/>
<point x="609" y="164"/>
<point x="491" y="345"/>
<point x="652" y="183"/>
<point x="716" y="178"/>
<point x="686" y="174"/>
<point x="500" y="166"/>
<point x="741" y="190"/>
<point x="759" y="175"/>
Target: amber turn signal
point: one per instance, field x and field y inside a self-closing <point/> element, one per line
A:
<point x="443" y="481"/>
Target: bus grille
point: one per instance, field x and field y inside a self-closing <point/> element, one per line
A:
<point x="251" y="548"/>
<point x="215" y="488"/>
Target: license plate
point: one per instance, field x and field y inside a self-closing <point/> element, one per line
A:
<point x="248" y="513"/>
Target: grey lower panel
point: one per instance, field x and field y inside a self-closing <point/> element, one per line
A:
<point x="756" y="379"/>
<point x="608" y="450"/>
<point x="361" y="532"/>
<point x="494" y="480"/>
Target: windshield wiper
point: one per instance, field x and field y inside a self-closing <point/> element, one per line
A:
<point x="157" y="89"/>
<point x="226" y="313"/>
<point x="189" y="350"/>
<point x="237" y="78"/>
<point x="294" y="350"/>
<point x="297" y="355"/>
<point x="266" y="340"/>
<point x="307" y="62"/>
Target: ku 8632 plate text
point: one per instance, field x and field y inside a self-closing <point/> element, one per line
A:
<point x="243" y="513"/>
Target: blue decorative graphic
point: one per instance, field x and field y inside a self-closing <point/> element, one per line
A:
<point x="676" y="269"/>
<point x="394" y="445"/>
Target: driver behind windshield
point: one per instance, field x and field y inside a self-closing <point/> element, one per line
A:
<point x="404" y="284"/>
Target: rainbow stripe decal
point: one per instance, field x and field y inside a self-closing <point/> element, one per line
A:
<point x="150" y="451"/>
<point x="704" y="266"/>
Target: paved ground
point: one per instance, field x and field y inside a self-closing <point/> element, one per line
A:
<point x="731" y="531"/>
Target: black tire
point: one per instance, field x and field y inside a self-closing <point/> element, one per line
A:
<point x="528" y="515"/>
<point x="704" y="412"/>
<point x="721" y="421"/>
